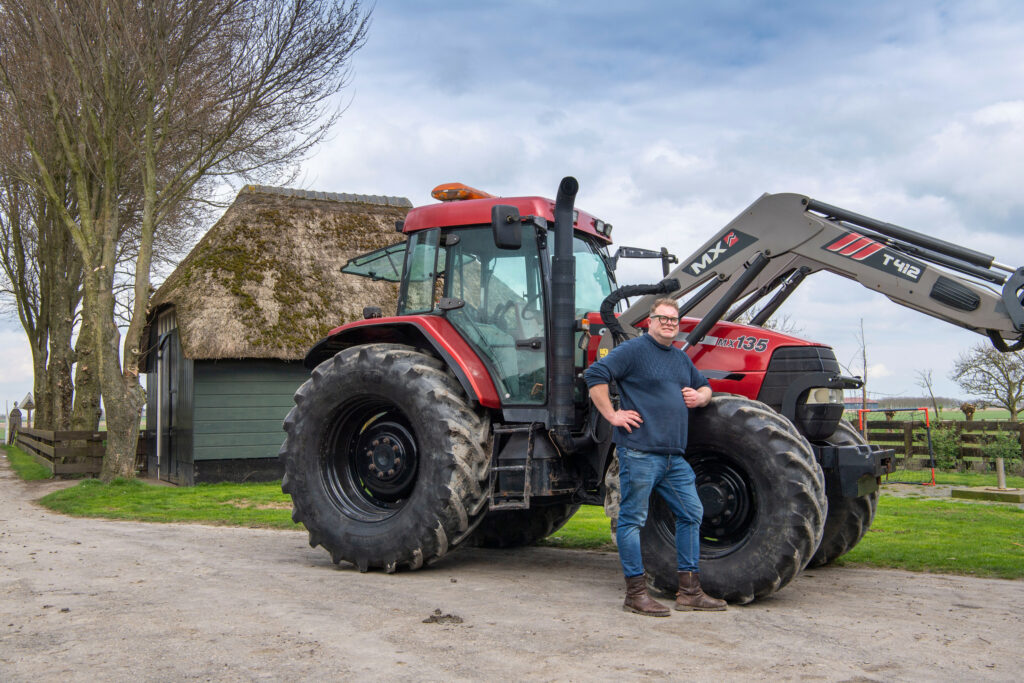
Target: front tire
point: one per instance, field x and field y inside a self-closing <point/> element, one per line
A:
<point x="385" y="460"/>
<point x="848" y="518"/>
<point x="764" y="503"/>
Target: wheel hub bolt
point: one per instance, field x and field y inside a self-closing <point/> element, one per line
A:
<point x="398" y="461"/>
<point x="373" y="468"/>
<point x="391" y="472"/>
<point x="376" y="442"/>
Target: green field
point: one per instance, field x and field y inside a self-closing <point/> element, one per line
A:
<point x="988" y="415"/>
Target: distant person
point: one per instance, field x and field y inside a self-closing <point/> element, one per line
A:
<point x="13" y="424"/>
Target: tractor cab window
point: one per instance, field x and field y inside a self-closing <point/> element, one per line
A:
<point x="381" y="264"/>
<point x="420" y="273"/>
<point x="593" y="283"/>
<point x="503" y="313"/>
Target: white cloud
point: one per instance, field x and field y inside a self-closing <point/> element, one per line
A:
<point x="16" y="375"/>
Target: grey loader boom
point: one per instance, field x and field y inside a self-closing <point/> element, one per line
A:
<point x="781" y="238"/>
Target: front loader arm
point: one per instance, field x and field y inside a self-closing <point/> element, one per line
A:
<point x="784" y="237"/>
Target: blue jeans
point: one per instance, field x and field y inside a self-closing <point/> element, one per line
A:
<point x="672" y="477"/>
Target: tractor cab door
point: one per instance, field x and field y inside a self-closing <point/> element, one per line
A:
<point x="502" y="309"/>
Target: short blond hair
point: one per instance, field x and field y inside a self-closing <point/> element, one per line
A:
<point x="664" y="301"/>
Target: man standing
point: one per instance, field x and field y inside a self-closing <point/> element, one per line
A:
<point x="658" y="384"/>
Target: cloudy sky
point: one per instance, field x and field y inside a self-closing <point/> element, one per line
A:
<point x="674" y="116"/>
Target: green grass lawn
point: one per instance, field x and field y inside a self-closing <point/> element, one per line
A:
<point x="945" y="537"/>
<point x="24" y="466"/>
<point x="588" y="529"/>
<point x="250" y="505"/>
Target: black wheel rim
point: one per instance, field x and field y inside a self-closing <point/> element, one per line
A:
<point x="730" y="504"/>
<point x="370" y="458"/>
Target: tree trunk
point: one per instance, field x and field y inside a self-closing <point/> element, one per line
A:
<point x="61" y="356"/>
<point x="86" y="412"/>
<point x="122" y="433"/>
<point x="40" y="391"/>
<point x="123" y="397"/>
<point x="60" y="386"/>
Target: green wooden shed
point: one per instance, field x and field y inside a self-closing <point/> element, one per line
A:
<point x="230" y="326"/>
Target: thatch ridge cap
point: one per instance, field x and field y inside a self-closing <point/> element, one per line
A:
<point x="343" y="197"/>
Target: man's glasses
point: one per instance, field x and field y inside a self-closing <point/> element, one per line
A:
<point x="665" y="319"/>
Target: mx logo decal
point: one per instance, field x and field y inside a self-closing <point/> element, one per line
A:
<point x="722" y="248"/>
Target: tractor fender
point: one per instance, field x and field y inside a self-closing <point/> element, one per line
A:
<point x="425" y="331"/>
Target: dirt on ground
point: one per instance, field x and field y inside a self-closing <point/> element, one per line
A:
<point x="88" y="600"/>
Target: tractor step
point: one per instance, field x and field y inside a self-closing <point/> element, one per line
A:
<point x="511" y="499"/>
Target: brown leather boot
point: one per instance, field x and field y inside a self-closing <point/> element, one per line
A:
<point x="692" y="597"/>
<point x="637" y="599"/>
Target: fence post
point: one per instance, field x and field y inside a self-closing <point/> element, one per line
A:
<point x="908" y="441"/>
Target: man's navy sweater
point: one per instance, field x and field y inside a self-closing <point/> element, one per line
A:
<point x="650" y="378"/>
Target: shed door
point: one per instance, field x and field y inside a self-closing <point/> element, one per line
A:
<point x="173" y="467"/>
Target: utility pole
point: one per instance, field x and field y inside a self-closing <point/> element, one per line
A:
<point x="864" y="367"/>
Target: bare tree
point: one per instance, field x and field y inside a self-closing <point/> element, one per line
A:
<point x="863" y="352"/>
<point x="784" y="323"/>
<point x="924" y="380"/>
<point x="992" y="375"/>
<point x="40" y="279"/>
<point x="158" y="100"/>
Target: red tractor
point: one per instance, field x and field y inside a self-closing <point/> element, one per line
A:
<point x="463" y="418"/>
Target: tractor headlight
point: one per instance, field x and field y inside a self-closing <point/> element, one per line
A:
<point x="824" y="395"/>
<point x="819" y="415"/>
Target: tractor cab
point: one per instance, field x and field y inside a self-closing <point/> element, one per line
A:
<point x="485" y="264"/>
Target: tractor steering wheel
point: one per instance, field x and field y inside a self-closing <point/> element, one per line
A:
<point x="499" y="318"/>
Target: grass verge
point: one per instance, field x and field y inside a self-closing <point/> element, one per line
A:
<point x="24" y="466"/>
<point x="249" y="505"/>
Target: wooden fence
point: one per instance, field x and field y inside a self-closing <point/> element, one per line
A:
<point x="910" y="440"/>
<point x="71" y="452"/>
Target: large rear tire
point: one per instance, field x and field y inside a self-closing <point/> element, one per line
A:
<point x="517" y="528"/>
<point x="848" y="518"/>
<point x="764" y="503"/>
<point x="385" y="460"/>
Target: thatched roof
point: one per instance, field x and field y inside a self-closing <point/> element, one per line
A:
<point x="265" y="281"/>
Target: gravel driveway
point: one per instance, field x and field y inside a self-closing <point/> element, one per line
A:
<point x="88" y="600"/>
